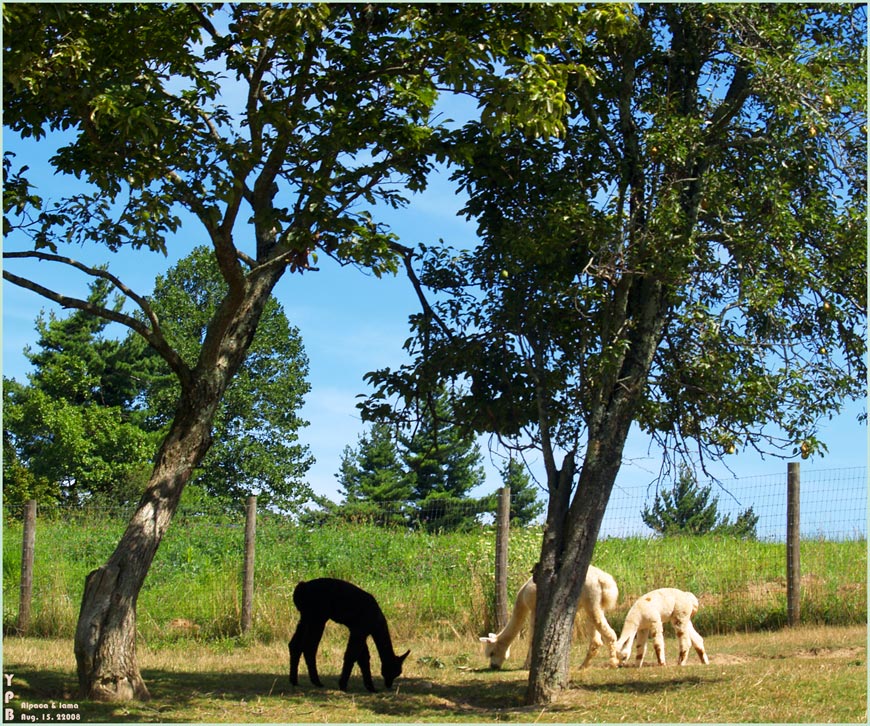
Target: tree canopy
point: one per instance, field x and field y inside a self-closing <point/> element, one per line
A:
<point x="685" y="257"/>
<point x="274" y="130"/>
<point x="257" y="426"/>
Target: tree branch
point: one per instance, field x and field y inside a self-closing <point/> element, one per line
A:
<point x="152" y="333"/>
<point x="407" y="254"/>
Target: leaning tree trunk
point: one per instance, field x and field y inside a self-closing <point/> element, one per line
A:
<point x="105" y="638"/>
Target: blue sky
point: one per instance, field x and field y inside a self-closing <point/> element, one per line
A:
<point x="352" y="323"/>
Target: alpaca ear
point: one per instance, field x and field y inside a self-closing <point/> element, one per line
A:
<point x="491" y="638"/>
<point x="405" y="655"/>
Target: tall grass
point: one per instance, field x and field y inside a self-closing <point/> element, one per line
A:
<point x="443" y="583"/>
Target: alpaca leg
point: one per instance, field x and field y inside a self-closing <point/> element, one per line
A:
<point x="295" y="653"/>
<point x="681" y="626"/>
<point x="658" y="632"/>
<point x="528" y="661"/>
<point x="608" y="634"/>
<point x="697" y="642"/>
<point x="297" y="646"/>
<point x="642" y="635"/>
<point x="593" y="637"/>
<point x="312" y="634"/>
<point x="357" y="651"/>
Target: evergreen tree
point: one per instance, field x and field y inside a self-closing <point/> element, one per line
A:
<point x="687" y="508"/>
<point x="443" y="459"/>
<point x="74" y="361"/>
<point x="445" y="464"/>
<point x="71" y="433"/>
<point x="525" y="505"/>
<point x="425" y="474"/>
<point x="255" y="445"/>
<point x="373" y="470"/>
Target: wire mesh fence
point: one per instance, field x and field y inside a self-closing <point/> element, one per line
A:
<point x="833" y="504"/>
<point x="436" y="566"/>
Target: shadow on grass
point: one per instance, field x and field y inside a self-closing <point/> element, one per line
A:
<point x="640" y="686"/>
<point x="176" y="695"/>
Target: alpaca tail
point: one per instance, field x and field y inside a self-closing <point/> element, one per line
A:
<point x="609" y="593"/>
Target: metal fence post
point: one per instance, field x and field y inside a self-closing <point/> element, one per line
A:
<point x="248" y="567"/>
<point x="793" y="544"/>
<point x="502" y="531"/>
<point x="28" y="548"/>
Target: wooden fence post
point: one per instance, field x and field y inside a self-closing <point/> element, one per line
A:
<point x="793" y="544"/>
<point x="248" y="567"/>
<point x="502" y="530"/>
<point x="28" y="547"/>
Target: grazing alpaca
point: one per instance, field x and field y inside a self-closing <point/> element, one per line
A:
<point x="648" y="615"/>
<point x="329" y="599"/>
<point x="598" y="595"/>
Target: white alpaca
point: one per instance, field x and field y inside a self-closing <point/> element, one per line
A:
<point x="648" y="615"/>
<point x="598" y="595"/>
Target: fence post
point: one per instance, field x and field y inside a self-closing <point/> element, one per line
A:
<point x="502" y="531"/>
<point x="28" y="547"/>
<point x="793" y="544"/>
<point x="248" y="567"/>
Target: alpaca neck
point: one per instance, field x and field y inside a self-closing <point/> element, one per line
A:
<point x="383" y="642"/>
<point x="629" y="630"/>
<point x="510" y="631"/>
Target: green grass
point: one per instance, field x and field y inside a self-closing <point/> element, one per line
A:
<point x="442" y="581"/>
<point x="802" y="675"/>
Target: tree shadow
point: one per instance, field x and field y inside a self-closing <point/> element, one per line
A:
<point x="477" y="697"/>
<point x="639" y="686"/>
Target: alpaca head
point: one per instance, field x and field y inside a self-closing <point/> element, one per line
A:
<point x="392" y="668"/>
<point x="623" y="649"/>
<point x="495" y="651"/>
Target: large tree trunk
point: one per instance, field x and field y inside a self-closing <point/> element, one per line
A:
<point x="105" y="639"/>
<point x="569" y="542"/>
<point x="572" y="525"/>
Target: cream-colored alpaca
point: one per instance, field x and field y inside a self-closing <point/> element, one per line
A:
<point x="598" y="595"/>
<point x="647" y="617"/>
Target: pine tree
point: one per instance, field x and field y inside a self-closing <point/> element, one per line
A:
<point x="687" y="508"/>
<point x="445" y="464"/>
<point x="525" y="505"/>
<point x="425" y="474"/>
<point x="71" y="433"/>
<point x="373" y="470"/>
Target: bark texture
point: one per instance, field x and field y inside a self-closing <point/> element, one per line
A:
<point x="105" y="638"/>
<point x="573" y="523"/>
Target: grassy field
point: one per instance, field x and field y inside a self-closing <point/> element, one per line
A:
<point x="807" y="674"/>
<point x="443" y="581"/>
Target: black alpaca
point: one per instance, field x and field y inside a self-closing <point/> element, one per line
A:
<point x="329" y="599"/>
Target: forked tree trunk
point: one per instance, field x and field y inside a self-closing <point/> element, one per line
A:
<point x="573" y="524"/>
<point x="561" y="572"/>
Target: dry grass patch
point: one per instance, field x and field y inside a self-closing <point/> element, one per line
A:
<point x="802" y="675"/>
